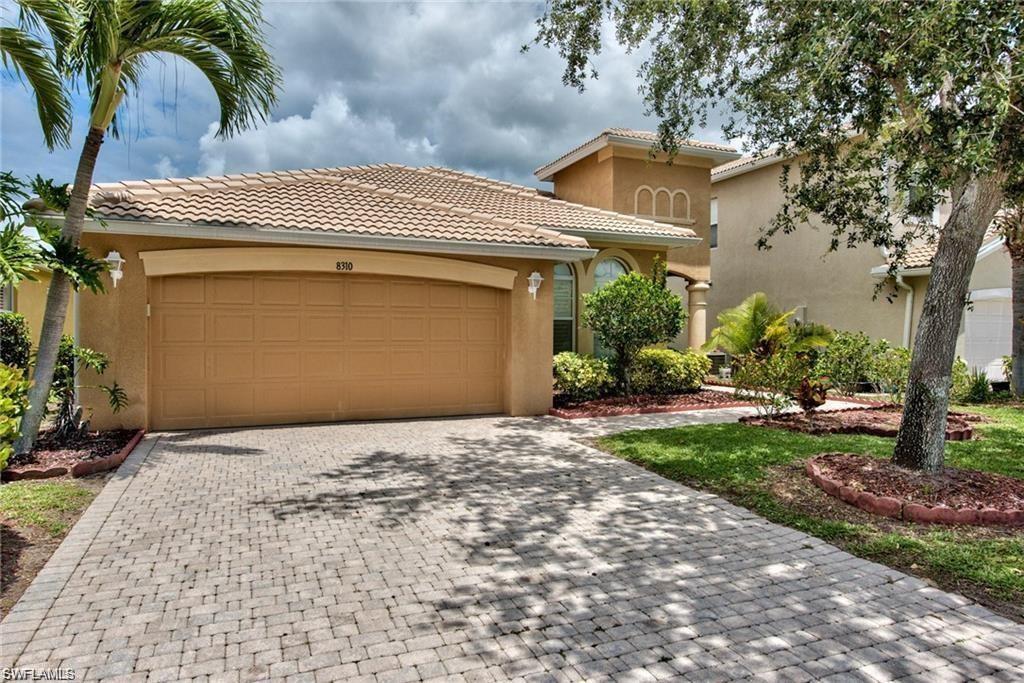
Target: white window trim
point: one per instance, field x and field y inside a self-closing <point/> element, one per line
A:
<point x="572" y="278"/>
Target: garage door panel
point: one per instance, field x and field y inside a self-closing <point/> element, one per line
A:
<point x="279" y="291"/>
<point x="278" y="327"/>
<point x="250" y="349"/>
<point x="232" y="327"/>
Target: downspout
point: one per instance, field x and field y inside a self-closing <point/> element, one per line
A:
<point x="908" y="309"/>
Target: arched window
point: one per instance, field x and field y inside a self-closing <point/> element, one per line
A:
<point x="565" y="308"/>
<point x="607" y="271"/>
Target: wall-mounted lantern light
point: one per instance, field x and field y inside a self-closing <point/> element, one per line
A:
<point x="534" y="280"/>
<point x="116" y="264"/>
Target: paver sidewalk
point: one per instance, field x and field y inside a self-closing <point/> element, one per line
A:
<point x="478" y="549"/>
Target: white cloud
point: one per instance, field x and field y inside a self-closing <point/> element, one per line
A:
<point x="165" y="168"/>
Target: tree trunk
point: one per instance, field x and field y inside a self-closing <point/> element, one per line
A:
<point x="58" y="296"/>
<point x="921" y="441"/>
<point x="1017" y="329"/>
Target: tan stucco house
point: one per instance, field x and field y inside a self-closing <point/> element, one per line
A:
<point x="375" y="291"/>
<point x="838" y="288"/>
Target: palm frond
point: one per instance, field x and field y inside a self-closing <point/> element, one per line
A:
<point x="30" y="59"/>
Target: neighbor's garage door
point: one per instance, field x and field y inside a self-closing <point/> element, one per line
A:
<point x="987" y="328"/>
<point x="251" y="349"/>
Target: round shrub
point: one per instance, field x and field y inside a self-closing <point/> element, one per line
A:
<point x="581" y="378"/>
<point x="15" y="344"/>
<point x="664" y="371"/>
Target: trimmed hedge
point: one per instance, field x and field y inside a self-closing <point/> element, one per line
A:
<point x="582" y="378"/>
<point x="15" y="340"/>
<point x="664" y="371"/>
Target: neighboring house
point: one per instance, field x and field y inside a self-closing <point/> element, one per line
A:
<point x="368" y="292"/>
<point x="839" y="288"/>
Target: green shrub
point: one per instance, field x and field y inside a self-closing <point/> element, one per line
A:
<point x="15" y="340"/>
<point x="891" y="371"/>
<point x="664" y="371"/>
<point x="770" y="382"/>
<point x="72" y="359"/>
<point x="631" y="313"/>
<point x="581" y="378"/>
<point x="979" y="390"/>
<point x="847" y="361"/>
<point x="961" y="380"/>
<point x="13" y="404"/>
<point x="1008" y="370"/>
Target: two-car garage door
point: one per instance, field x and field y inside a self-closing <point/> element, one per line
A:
<point x="275" y="348"/>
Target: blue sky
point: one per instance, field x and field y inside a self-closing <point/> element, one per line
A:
<point x="429" y="83"/>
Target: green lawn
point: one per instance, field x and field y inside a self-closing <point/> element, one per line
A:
<point x="740" y="462"/>
<point x="45" y="505"/>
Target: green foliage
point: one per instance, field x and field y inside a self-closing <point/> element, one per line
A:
<point x="43" y="504"/>
<point x="770" y="382"/>
<point x="13" y="403"/>
<point x="757" y="327"/>
<point x="1008" y="369"/>
<point x="847" y="361"/>
<point x="633" y="312"/>
<point x="74" y="261"/>
<point x="980" y="389"/>
<point x="664" y="371"/>
<point x="71" y="360"/>
<point x="891" y="371"/>
<point x="961" y="380"/>
<point x="581" y="378"/>
<point x="15" y="340"/>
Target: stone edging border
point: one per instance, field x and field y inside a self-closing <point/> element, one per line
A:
<point x="638" y="410"/>
<point x="965" y="434"/>
<point x="897" y="508"/>
<point x="80" y="469"/>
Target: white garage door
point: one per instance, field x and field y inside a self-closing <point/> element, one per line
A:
<point x="987" y="336"/>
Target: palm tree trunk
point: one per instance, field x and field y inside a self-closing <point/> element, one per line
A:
<point x="1017" y="333"/>
<point x="921" y="441"/>
<point x="58" y="296"/>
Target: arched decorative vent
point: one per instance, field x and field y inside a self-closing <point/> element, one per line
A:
<point x="662" y="203"/>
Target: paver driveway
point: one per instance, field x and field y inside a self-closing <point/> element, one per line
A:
<point x="487" y="549"/>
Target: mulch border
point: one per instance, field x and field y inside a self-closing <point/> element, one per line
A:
<point x="570" y="414"/>
<point x="79" y="469"/>
<point x="897" y="508"/>
<point x="965" y="434"/>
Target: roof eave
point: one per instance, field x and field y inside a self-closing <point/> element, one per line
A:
<point x="761" y="162"/>
<point x="244" y="233"/>
<point x="668" y="241"/>
<point x="547" y="172"/>
<point x="986" y="250"/>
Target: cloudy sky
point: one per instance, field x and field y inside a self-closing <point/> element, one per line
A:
<point x="430" y="83"/>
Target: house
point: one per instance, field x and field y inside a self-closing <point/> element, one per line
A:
<point x="374" y="291"/>
<point x="839" y="288"/>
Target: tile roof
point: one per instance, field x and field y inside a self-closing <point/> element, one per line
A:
<point x="921" y="255"/>
<point x="379" y="200"/>
<point x="645" y="137"/>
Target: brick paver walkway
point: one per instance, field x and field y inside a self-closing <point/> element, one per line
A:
<point x="477" y="549"/>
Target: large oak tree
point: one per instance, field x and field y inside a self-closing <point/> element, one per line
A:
<point x="891" y="107"/>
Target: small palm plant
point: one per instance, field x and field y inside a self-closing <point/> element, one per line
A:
<point x="757" y="327"/>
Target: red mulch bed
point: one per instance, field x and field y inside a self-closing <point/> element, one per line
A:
<point x="877" y="421"/>
<point x="648" y="403"/>
<point x="950" y="496"/>
<point x="49" y="455"/>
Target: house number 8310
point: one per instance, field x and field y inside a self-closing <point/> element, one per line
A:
<point x="343" y="265"/>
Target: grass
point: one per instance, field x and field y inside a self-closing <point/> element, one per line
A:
<point x="739" y="461"/>
<point x="44" y="505"/>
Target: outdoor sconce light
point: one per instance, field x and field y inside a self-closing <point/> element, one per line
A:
<point x="115" y="263"/>
<point x="535" y="279"/>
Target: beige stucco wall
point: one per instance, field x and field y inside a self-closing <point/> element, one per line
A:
<point x="609" y="179"/>
<point x="837" y="288"/>
<point x="116" y="324"/>
<point x="30" y="301"/>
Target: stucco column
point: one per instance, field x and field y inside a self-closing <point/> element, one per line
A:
<point x="698" y="322"/>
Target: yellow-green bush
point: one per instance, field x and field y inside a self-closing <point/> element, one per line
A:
<point x="13" y="403"/>
<point x="581" y="378"/>
<point x="664" y="371"/>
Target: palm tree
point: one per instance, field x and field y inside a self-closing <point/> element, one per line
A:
<point x="758" y="327"/>
<point x="1011" y="225"/>
<point x="108" y="46"/>
<point x="39" y="60"/>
